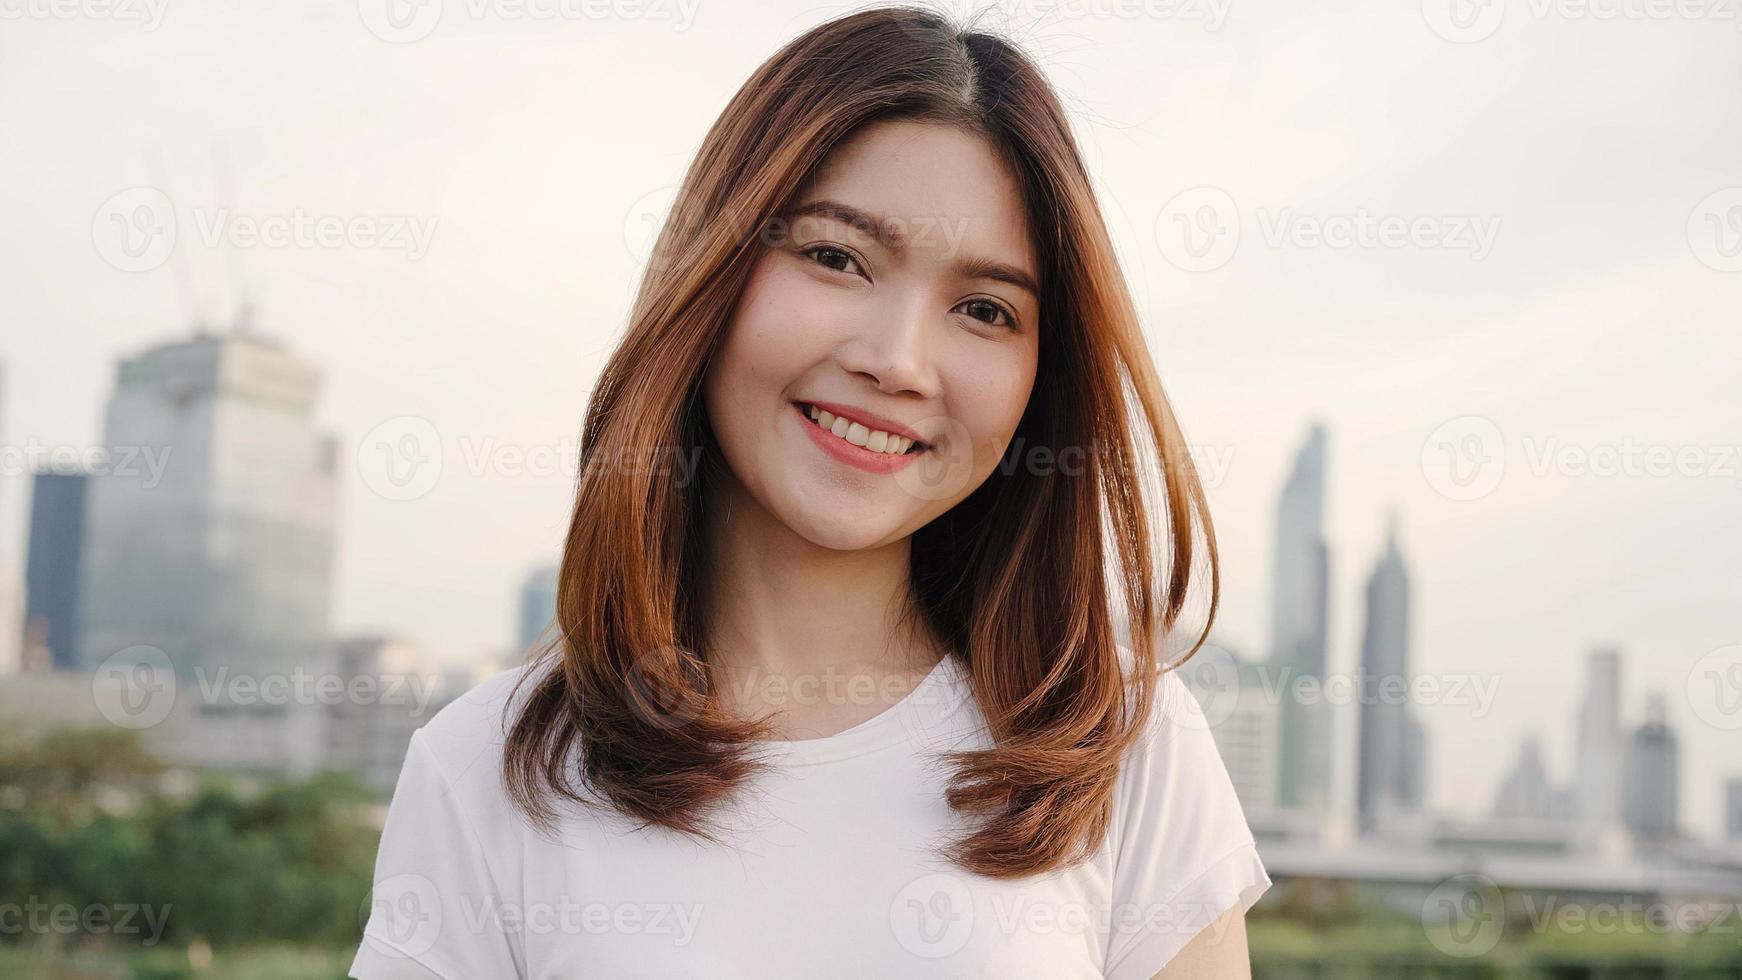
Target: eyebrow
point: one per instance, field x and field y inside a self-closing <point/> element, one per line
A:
<point x="895" y="240"/>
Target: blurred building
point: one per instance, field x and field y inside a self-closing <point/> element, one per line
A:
<point x="1243" y="718"/>
<point x="13" y="640"/>
<point x="1599" y="748"/>
<point x="1653" y="777"/>
<point x="1733" y="810"/>
<point x="1299" y="622"/>
<point x="1527" y="793"/>
<point x="52" y="576"/>
<point x="392" y="689"/>
<point x="1391" y="756"/>
<point x="537" y="605"/>
<point x="210" y="529"/>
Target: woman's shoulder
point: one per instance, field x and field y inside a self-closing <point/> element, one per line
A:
<point x="464" y="740"/>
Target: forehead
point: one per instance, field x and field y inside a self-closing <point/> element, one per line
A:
<point x="942" y="186"/>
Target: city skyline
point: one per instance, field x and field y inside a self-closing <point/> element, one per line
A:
<point x="1590" y="325"/>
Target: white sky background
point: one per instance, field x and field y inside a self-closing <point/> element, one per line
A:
<point x="535" y="146"/>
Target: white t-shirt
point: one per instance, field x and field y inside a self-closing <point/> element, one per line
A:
<point x="829" y="872"/>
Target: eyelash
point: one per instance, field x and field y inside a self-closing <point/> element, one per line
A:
<point x="812" y="251"/>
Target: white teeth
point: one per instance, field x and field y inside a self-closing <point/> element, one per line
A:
<point x="859" y="435"/>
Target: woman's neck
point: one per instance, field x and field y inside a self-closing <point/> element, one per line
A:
<point x="781" y="610"/>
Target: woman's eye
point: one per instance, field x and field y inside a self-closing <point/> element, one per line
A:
<point x="993" y="309"/>
<point x="828" y="254"/>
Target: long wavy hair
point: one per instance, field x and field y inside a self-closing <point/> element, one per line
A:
<point x="1014" y="579"/>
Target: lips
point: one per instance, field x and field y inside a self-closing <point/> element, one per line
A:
<point x="859" y="457"/>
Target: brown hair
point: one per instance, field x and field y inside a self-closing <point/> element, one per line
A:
<point x="1014" y="577"/>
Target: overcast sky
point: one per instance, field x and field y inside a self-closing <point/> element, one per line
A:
<point x="1555" y="233"/>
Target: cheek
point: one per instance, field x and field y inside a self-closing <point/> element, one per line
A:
<point x="773" y="329"/>
<point x="991" y="390"/>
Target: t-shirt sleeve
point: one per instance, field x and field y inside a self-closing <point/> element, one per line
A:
<point x="1184" y="854"/>
<point x="435" y="912"/>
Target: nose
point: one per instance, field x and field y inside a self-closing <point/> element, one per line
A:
<point x="894" y="349"/>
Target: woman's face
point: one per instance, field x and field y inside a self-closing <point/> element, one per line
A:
<point x="891" y="294"/>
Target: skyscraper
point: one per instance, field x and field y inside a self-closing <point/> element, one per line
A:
<point x="1599" y="747"/>
<point x="537" y="605"/>
<point x="1653" y="776"/>
<point x="1527" y="792"/>
<point x="210" y="533"/>
<point x="1299" y="620"/>
<point x="52" y="564"/>
<point x="13" y="645"/>
<point x="1389" y="750"/>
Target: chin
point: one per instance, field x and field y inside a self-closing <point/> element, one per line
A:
<point x="839" y="528"/>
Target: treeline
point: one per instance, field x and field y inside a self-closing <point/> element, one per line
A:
<point x="101" y="848"/>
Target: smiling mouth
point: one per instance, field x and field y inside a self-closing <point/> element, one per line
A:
<point x="872" y="440"/>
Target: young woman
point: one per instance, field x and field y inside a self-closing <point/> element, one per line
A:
<point x="835" y="689"/>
